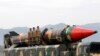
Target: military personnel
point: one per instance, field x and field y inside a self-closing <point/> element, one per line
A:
<point x="34" y="36"/>
<point x="38" y="35"/>
<point x="30" y="36"/>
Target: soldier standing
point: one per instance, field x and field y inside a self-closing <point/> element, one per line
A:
<point x="38" y="35"/>
<point x="34" y="36"/>
<point x="30" y="36"/>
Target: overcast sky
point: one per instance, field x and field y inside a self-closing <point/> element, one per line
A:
<point x="22" y="13"/>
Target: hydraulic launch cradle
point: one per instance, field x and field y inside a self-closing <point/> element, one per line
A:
<point x="50" y="50"/>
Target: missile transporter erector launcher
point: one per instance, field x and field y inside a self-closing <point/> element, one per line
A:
<point x="69" y="36"/>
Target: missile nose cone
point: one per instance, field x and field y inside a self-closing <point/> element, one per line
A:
<point x="95" y="32"/>
<point x="79" y="33"/>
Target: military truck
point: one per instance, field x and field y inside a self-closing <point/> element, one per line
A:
<point x="53" y="42"/>
<point x="81" y="49"/>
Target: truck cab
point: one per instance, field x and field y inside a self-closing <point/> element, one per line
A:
<point x="88" y="49"/>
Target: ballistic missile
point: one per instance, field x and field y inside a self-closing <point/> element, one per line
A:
<point x="68" y="35"/>
<point x="65" y="35"/>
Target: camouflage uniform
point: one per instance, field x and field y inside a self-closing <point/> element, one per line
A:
<point x="30" y="36"/>
<point x="34" y="36"/>
<point x="38" y="35"/>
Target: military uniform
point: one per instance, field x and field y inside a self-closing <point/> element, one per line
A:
<point x="30" y="35"/>
<point x="34" y="36"/>
<point x="38" y="35"/>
